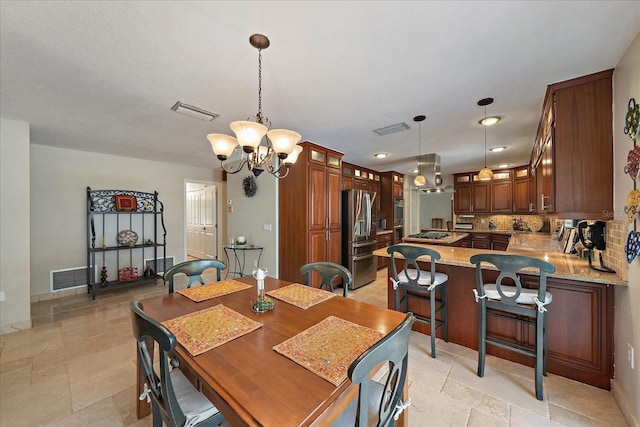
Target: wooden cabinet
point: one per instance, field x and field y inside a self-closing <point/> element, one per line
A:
<point x="573" y="149"/>
<point x="391" y="188"/>
<point x="580" y="337"/>
<point x="502" y="192"/>
<point x="471" y="195"/>
<point x="465" y="242"/>
<point x="481" y="240"/>
<point x="383" y="241"/>
<point x="310" y="211"/>
<point x="524" y="193"/>
<point x="500" y="242"/>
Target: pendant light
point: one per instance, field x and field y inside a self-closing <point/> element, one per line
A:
<point x="485" y="173"/>
<point x="419" y="180"/>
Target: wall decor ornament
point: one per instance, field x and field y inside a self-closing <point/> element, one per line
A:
<point x="632" y="120"/>
<point x="250" y="186"/>
<point x="633" y="163"/>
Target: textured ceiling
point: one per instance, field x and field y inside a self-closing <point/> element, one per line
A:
<point x="102" y="76"/>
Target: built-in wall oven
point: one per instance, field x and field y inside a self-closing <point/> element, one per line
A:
<point x="398" y="219"/>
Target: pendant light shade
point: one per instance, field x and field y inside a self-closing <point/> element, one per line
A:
<point x="419" y="180"/>
<point x="485" y="173"/>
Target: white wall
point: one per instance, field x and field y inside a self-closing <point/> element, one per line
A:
<point x="249" y="216"/>
<point x="15" y="311"/>
<point x="626" y="386"/>
<point x="59" y="179"/>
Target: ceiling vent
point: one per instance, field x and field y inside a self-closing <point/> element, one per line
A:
<point x="398" y="127"/>
<point x="195" y="112"/>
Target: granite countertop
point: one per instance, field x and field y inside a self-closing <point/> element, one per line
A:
<point x="537" y="245"/>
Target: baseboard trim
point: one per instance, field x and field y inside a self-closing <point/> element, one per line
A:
<point x="623" y="404"/>
<point x="15" y="327"/>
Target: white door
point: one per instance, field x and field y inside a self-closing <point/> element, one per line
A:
<point x="202" y="223"/>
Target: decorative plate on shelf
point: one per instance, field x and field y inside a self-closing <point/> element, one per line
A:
<point x="127" y="238"/>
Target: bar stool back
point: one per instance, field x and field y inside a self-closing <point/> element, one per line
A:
<point x="512" y="301"/>
<point x="412" y="282"/>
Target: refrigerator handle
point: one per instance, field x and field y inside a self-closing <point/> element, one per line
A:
<point x="362" y="257"/>
<point x="368" y="219"/>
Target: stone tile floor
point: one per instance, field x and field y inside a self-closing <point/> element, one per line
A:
<point x="76" y="367"/>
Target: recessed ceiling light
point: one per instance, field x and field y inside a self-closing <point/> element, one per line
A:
<point x="489" y="121"/>
<point x="497" y="149"/>
<point x="414" y="170"/>
<point x="380" y="155"/>
<point x="504" y="165"/>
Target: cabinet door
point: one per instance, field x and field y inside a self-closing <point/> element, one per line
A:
<point x="348" y="183"/>
<point x="481" y="197"/>
<point x="546" y="196"/>
<point x="317" y="197"/>
<point x="334" y="198"/>
<point x="501" y="197"/>
<point x="480" y="241"/>
<point x="462" y="198"/>
<point x="334" y="245"/>
<point x="521" y="195"/>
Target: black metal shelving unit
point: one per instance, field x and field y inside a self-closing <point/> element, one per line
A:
<point x="112" y="256"/>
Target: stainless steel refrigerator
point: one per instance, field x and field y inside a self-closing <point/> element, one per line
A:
<point x="359" y="235"/>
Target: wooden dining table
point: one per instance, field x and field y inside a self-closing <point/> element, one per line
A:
<point x="251" y="383"/>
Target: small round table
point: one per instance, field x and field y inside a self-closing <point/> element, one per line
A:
<point x="238" y="265"/>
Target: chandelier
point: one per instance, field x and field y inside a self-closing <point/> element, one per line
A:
<point x="278" y="152"/>
<point x="485" y="173"/>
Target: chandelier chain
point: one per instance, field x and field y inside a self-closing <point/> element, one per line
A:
<point x="485" y="138"/>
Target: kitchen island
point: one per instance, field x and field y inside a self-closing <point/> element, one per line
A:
<point x="580" y="335"/>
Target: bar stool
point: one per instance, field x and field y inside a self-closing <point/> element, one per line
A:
<point x="513" y="302"/>
<point x="421" y="285"/>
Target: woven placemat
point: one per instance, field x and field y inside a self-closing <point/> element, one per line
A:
<point x="301" y="296"/>
<point x="213" y="290"/>
<point x="328" y="348"/>
<point x="206" y="329"/>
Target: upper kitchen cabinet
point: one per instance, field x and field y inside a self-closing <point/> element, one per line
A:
<point x="471" y="195"/>
<point x="572" y="155"/>
<point x="502" y="192"/>
<point x="524" y="191"/>
<point x="310" y="198"/>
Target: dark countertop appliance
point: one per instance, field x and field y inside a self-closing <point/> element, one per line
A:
<point x="359" y="236"/>
<point x="595" y="237"/>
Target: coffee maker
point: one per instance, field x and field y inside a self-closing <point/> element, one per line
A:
<point x="594" y="238"/>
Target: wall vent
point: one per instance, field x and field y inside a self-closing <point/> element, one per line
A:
<point x="69" y="278"/>
<point x="149" y="263"/>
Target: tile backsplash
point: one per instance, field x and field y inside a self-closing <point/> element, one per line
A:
<point x="502" y="222"/>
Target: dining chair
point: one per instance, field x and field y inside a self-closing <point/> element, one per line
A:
<point x="411" y="282"/>
<point x="328" y="271"/>
<point x="174" y="399"/>
<point x="380" y="400"/>
<point x="510" y="301"/>
<point x="193" y="270"/>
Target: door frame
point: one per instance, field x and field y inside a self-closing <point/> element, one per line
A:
<point x="194" y="184"/>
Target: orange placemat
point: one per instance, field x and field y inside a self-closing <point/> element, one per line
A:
<point x="206" y="329"/>
<point x="213" y="290"/>
<point x="300" y="295"/>
<point x="328" y="348"/>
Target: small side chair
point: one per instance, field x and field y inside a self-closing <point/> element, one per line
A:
<point x="412" y="282"/>
<point x="380" y="400"/>
<point x="512" y="301"/>
<point x="174" y="399"/>
<point x="193" y="270"/>
<point x="328" y="271"/>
